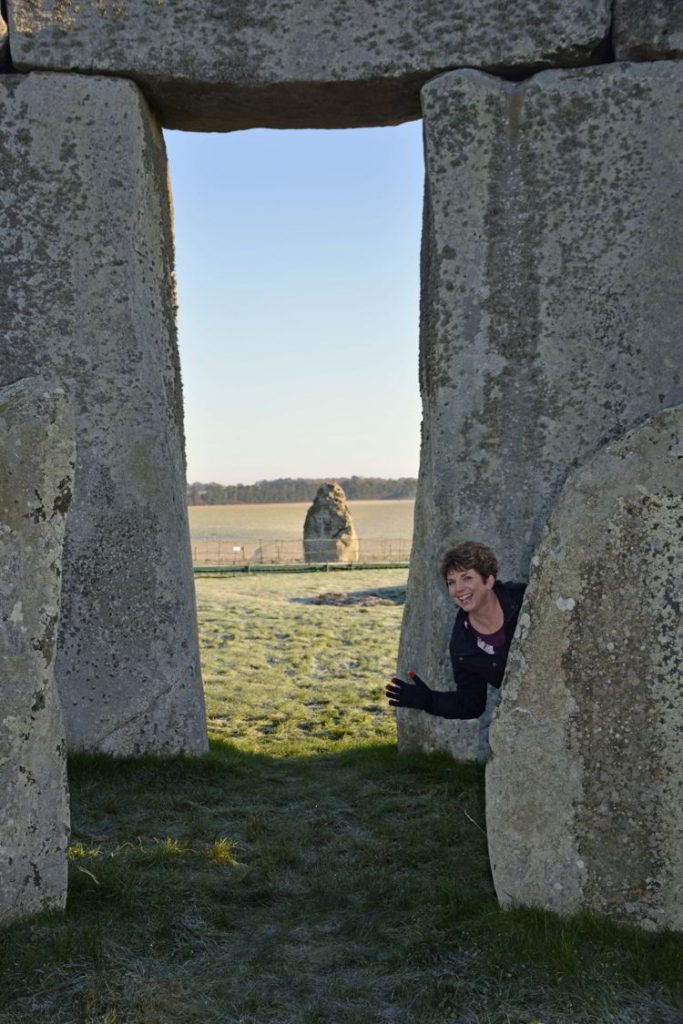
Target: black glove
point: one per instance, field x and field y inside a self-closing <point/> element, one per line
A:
<point x="409" y="695"/>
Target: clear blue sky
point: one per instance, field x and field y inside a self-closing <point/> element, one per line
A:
<point x="297" y="259"/>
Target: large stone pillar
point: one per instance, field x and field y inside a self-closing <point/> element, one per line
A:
<point x="584" y="789"/>
<point x="88" y="302"/>
<point x="36" y="475"/>
<point x="551" y="310"/>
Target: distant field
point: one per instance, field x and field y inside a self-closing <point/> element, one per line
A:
<point x="259" y="526"/>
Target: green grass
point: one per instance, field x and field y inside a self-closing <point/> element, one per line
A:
<point x="303" y="872"/>
<point x="285" y="676"/>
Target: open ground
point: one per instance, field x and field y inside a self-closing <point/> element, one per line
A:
<point x="303" y="872"/>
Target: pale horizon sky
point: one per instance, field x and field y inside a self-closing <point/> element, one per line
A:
<point x="297" y="263"/>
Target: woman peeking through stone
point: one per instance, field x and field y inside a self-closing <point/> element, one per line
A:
<point x="480" y="641"/>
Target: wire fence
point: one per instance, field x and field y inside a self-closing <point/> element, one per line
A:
<point x="291" y="552"/>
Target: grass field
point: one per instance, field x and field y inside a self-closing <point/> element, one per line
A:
<point x="303" y="872"/>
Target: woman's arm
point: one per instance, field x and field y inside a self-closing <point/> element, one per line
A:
<point x="468" y="701"/>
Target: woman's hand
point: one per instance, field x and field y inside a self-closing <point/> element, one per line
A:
<point x="415" y="694"/>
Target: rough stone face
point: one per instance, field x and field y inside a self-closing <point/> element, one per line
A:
<point x="648" y="29"/>
<point x="329" y="534"/>
<point x="36" y="472"/>
<point x="88" y="302"/>
<point x="585" y="785"/>
<point x="551" y="308"/>
<point x="418" y="731"/>
<point x="216" y="65"/>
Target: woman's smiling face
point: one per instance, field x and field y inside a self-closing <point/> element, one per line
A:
<point x="468" y="589"/>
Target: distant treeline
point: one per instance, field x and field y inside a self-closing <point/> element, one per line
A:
<point x="266" y="492"/>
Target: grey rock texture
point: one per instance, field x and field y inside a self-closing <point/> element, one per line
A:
<point x="585" y="785"/>
<point x="551" y="307"/>
<point x="648" y="29"/>
<point x="420" y="732"/>
<point x="215" y="65"/>
<point x="329" y="534"/>
<point x="88" y="302"/>
<point x="36" y="473"/>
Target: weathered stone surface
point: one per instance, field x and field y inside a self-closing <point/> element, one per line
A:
<point x="222" y="64"/>
<point x="551" y="307"/>
<point x="419" y="732"/>
<point x="329" y="534"/>
<point x="88" y="302"/>
<point x="648" y="29"/>
<point x="585" y="785"/>
<point x="36" y="472"/>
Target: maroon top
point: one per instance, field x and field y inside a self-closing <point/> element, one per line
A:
<point x="490" y="643"/>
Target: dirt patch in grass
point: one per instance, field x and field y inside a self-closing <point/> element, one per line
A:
<point x="363" y="598"/>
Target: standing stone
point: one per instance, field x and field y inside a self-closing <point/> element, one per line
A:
<point x="551" y="308"/>
<point x="218" y="65"/>
<point x="329" y="535"/>
<point x="88" y="302"/>
<point x="648" y="29"/>
<point x="584" y="791"/>
<point x="36" y="471"/>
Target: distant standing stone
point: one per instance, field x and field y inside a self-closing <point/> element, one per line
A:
<point x="36" y="469"/>
<point x="584" y="790"/>
<point x="329" y="535"/>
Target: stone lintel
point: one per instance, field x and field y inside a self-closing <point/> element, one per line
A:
<point x="209" y="66"/>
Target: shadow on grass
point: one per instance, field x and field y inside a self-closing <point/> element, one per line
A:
<point x="374" y="596"/>
<point x="232" y="885"/>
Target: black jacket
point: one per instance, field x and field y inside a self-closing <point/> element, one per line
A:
<point x="473" y="669"/>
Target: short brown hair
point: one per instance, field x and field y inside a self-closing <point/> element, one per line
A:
<point x="471" y="555"/>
